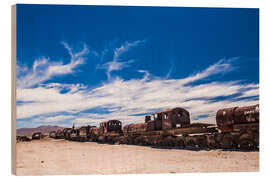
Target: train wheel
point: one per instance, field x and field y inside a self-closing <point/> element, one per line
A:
<point x="211" y="141"/>
<point x="227" y="141"/>
<point x="164" y="142"/>
<point x="101" y="139"/>
<point x="201" y="141"/>
<point x="145" y="141"/>
<point x="153" y="140"/>
<point x="130" y="140"/>
<point x="246" y="142"/>
<point x="126" y="140"/>
<point x="169" y="141"/>
<point x="116" y="140"/>
<point x="180" y="142"/>
<point x="256" y="140"/>
<point x="108" y="140"/>
<point x="137" y="141"/>
<point x="190" y="143"/>
<point x="159" y="142"/>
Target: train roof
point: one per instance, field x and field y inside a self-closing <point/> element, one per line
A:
<point x="112" y="120"/>
<point x="172" y="109"/>
<point x="220" y="111"/>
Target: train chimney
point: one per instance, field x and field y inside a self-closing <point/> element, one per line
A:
<point x="147" y="118"/>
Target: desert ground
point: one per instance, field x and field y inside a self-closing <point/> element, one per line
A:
<point x="61" y="157"/>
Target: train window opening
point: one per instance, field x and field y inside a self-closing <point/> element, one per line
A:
<point x="159" y="116"/>
<point x="165" y="116"/>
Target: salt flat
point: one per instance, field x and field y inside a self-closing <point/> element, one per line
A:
<point x="61" y="157"/>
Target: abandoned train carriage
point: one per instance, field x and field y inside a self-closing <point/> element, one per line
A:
<point x="110" y="126"/>
<point x="171" y="118"/>
<point x="164" y="120"/>
<point x="37" y="135"/>
<point x="83" y="133"/>
<point x="52" y="134"/>
<point x="152" y="131"/>
<point x="239" y="126"/>
<point x="109" y="131"/>
<point x="236" y="127"/>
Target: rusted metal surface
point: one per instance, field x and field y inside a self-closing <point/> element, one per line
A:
<point x="226" y="118"/>
<point x="237" y="128"/>
<point x="52" y="134"/>
<point x="164" y="120"/>
<point x="151" y="125"/>
<point x="65" y="131"/>
<point x="126" y="129"/>
<point x="37" y="135"/>
<point x="84" y="130"/>
<point x="135" y="129"/>
<point x="248" y="114"/>
<point x="22" y="139"/>
<point x="59" y="134"/>
<point x="109" y="126"/>
<point x="171" y="118"/>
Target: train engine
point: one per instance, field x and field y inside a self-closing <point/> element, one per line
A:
<point x="109" y="131"/>
<point x="239" y="127"/>
<point x="156" y="127"/>
<point x="37" y="135"/>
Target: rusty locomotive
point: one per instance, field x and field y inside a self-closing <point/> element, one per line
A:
<point x="37" y="135"/>
<point x="236" y="127"/>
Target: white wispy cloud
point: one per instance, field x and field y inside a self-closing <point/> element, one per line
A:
<point x="116" y="64"/>
<point x="222" y="66"/>
<point x="43" y="68"/>
<point x="52" y="119"/>
<point x="125" y="98"/>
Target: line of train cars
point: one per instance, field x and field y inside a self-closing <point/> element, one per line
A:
<point x="236" y="127"/>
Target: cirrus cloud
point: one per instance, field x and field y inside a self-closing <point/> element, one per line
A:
<point x="129" y="100"/>
<point x="43" y="68"/>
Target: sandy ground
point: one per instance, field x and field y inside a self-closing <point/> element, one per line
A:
<point x="61" y="157"/>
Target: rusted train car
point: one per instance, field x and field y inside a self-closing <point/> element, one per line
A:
<point x="79" y="134"/>
<point x="52" y="134"/>
<point x="106" y="132"/>
<point x="236" y="127"/>
<point x="37" y="135"/>
<point x="59" y="134"/>
<point x="22" y="139"/>
<point x="239" y="126"/>
<point x="168" y="128"/>
<point x="109" y="131"/>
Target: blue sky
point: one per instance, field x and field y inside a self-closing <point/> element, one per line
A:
<point x="87" y="64"/>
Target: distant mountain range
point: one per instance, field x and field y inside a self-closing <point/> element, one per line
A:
<point x="42" y="129"/>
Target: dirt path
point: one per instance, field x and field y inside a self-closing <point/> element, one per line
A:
<point x="56" y="157"/>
